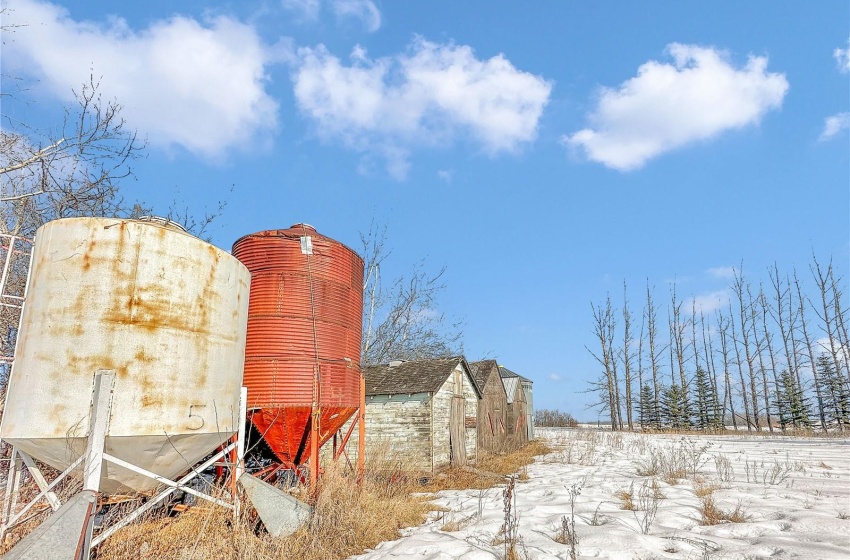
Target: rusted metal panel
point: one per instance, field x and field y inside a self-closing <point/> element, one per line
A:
<point x="164" y="310"/>
<point x="305" y="313"/>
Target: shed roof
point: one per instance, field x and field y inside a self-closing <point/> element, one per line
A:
<point x="505" y="372"/>
<point x="481" y="371"/>
<point x="420" y="376"/>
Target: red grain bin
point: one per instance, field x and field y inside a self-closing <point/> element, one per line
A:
<point x="303" y="341"/>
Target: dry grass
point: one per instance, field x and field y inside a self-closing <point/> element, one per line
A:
<point x="704" y="488"/>
<point x="712" y="514"/>
<point x="348" y="518"/>
<point x="489" y="470"/>
<point x="507" y="463"/>
<point x="625" y="497"/>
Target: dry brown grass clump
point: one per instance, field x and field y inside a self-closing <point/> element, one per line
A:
<point x="625" y="497"/>
<point x="511" y="462"/>
<point x="705" y="488"/>
<point x="489" y="470"/>
<point x="348" y="519"/>
<point x="712" y="514"/>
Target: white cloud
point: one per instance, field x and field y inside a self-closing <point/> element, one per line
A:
<point x="833" y="125"/>
<point x="842" y="57"/>
<point x="722" y="272"/>
<point x="666" y="106"/>
<point x="554" y="377"/>
<point x="364" y="10"/>
<point x="707" y="303"/>
<point x="305" y="9"/>
<point x="446" y="175"/>
<point x="431" y="95"/>
<point x="199" y="85"/>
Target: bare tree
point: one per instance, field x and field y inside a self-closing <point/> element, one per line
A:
<point x="604" y="325"/>
<point x="678" y="326"/>
<point x="738" y="361"/>
<point x="811" y="353"/>
<point x="402" y="321"/>
<point x="825" y="281"/>
<point x="841" y="324"/>
<point x="627" y="355"/>
<point x="780" y="291"/>
<point x="745" y="317"/>
<point x="708" y="348"/>
<point x="652" y="333"/>
<point x="758" y="340"/>
<point x="723" y="331"/>
<point x="642" y="403"/>
<point x="73" y="171"/>
<point x="768" y="339"/>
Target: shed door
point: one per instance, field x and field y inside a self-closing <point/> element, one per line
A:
<point x="457" y="432"/>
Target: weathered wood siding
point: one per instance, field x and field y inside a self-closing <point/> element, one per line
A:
<point x="517" y="418"/>
<point x="528" y="388"/>
<point x="398" y="430"/>
<point x="492" y="414"/>
<point x="441" y="409"/>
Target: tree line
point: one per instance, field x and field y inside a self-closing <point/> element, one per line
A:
<point x="775" y="356"/>
<point x="554" y="419"/>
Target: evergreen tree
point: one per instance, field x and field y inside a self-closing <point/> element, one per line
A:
<point x="704" y="403"/>
<point x="837" y="405"/>
<point x="794" y="406"/>
<point x="647" y="413"/>
<point x="673" y="408"/>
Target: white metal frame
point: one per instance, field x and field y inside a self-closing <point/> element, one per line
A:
<point x="8" y="300"/>
<point x="94" y="458"/>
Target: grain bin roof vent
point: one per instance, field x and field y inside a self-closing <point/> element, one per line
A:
<point x="164" y="222"/>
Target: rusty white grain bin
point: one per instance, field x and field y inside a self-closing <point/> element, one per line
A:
<point x="163" y="309"/>
<point x="305" y="318"/>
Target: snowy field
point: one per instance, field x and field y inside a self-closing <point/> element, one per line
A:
<point x="651" y="496"/>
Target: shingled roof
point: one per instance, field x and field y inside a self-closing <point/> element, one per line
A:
<point x="505" y="372"/>
<point x="421" y="376"/>
<point x="481" y="371"/>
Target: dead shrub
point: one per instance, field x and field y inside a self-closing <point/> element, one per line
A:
<point x="703" y="489"/>
<point x="712" y="514"/>
<point x="625" y="497"/>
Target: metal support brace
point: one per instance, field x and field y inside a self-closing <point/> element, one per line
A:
<point x="104" y="383"/>
<point x="40" y="481"/>
<point x="13" y="519"/>
<point x="11" y="475"/>
<point x="94" y="459"/>
<point x="239" y="468"/>
<point x="178" y="485"/>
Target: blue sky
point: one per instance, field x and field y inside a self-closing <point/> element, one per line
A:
<point x="543" y="154"/>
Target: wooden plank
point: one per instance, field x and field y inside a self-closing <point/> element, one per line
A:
<point x="456" y="432"/>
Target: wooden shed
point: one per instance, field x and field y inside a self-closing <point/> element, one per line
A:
<point x="517" y="417"/>
<point x="492" y="408"/>
<point x="423" y="413"/>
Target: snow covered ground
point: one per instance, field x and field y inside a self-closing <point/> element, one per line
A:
<point x="791" y="496"/>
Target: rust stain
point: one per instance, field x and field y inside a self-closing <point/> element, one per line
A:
<point x="150" y="400"/>
<point x="87" y="365"/>
<point x="143" y="357"/>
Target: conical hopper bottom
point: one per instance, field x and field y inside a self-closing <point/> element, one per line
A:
<point x="287" y="429"/>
